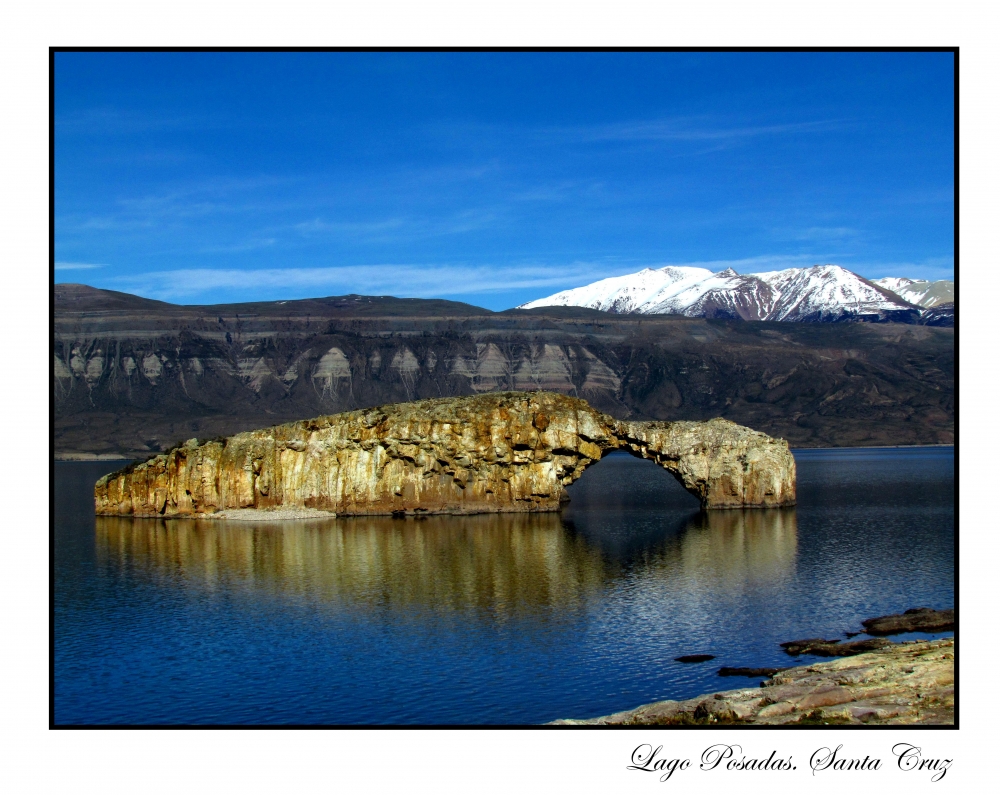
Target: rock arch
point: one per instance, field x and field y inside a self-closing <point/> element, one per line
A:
<point x="496" y="452"/>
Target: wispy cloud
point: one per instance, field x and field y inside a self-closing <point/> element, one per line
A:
<point x="942" y="195"/>
<point x="705" y="133"/>
<point x="77" y="266"/>
<point x="406" y="280"/>
<point x="320" y="226"/>
<point x="118" y="121"/>
<point x="690" y="129"/>
<point x="440" y="280"/>
<point x="214" y="195"/>
<point x="401" y="228"/>
<point x="101" y="223"/>
<point x="560" y="191"/>
<point x="190" y="202"/>
<point x="819" y="234"/>
<point x="931" y="269"/>
<point x="235" y="248"/>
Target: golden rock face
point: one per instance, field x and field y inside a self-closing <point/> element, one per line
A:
<point x="497" y="452"/>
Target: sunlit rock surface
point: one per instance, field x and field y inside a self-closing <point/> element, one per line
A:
<point x="902" y="684"/>
<point x="496" y="452"/>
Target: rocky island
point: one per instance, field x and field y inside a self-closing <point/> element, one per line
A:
<point x="496" y="452"/>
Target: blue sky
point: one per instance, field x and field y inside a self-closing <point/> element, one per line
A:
<point x="493" y="178"/>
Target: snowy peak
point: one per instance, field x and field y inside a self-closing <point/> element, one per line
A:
<point x="625" y="294"/>
<point x="922" y="293"/>
<point x="827" y="292"/>
<point x="893" y="283"/>
<point x="724" y="294"/>
<point x="817" y="293"/>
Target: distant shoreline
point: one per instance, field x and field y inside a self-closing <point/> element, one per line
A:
<point x="85" y="457"/>
<point x="873" y="447"/>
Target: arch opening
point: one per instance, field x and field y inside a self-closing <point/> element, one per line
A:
<point x="626" y="479"/>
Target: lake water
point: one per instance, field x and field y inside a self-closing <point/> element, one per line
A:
<point x="485" y="619"/>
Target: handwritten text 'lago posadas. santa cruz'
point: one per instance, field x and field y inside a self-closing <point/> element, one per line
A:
<point x="905" y="757"/>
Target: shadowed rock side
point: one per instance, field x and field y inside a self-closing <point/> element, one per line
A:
<point x="917" y="619"/>
<point x="499" y="452"/>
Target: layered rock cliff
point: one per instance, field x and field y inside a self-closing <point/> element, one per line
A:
<point x="133" y="377"/>
<point x="508" y="451"/>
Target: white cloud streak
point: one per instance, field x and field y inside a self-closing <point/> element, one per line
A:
<point x="404" y="280"/>
<point x="724" y="132"/>
<point x="415" y="281"/>
<point x="691" y="130"/>
<point x="931" y="269"/>
<point x="118" y="121"/>
<point x="236" y="248"/>
<point x="76" y="266"/>
<point x="822" y="233"/>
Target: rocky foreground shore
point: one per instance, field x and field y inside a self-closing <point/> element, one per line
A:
<point x="902" y="684"/>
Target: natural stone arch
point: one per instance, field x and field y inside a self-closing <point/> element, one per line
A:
<point x="604" y="483"/>
<point x="723" y="464"/>
<point x="507" y="451"/>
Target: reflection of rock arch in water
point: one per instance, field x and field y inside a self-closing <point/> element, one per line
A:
<point x="739" y="549"/>
<point x="507" y="563"/>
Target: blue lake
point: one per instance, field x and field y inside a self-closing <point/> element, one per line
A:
<point x="510" y="619"/>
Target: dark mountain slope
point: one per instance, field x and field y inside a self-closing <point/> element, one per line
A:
<point x="134" y="376"/>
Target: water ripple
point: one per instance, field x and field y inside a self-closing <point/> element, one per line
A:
<point x="484" y="619"/>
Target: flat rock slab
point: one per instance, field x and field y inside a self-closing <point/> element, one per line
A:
<point x="694" y="658"/>
<point x="902" y="684"/>
<point x="728" y="671"/>
<point x="919" y="619"/>
<point x="800" y="646"/>
<point x="834" y="648"/>
<point x="274" y="515"/>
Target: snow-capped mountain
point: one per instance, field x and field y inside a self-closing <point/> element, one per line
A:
<point x="827" y="292"/>
<point x="819" y="293"/>
<point x="893" y="283"/>
<point x="626" y="295"/>
<point x="921" y="293"/>
<point x="724" y="294"/>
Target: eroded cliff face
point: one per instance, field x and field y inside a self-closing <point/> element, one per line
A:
<point x="499" y="452"/>
<point x="134" y="377"/>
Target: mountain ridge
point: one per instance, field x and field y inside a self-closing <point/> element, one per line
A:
<point x="922" y="293"/>
<point x="820" y="293"/>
